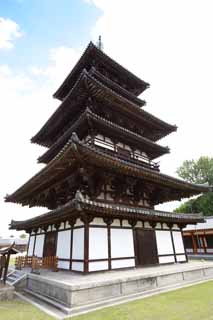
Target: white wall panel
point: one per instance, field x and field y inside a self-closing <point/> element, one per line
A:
<point x="39" y="245"/>
<point x="78" y="244"/>
<point x="178" y="242"/>
<point x="208" y="250"/>
<point x="168" y="259"/>
<point x="63" y="244"/>
<point x="126" y="263"/>
<point x="189" y="250"/>
<point x="164" y="242"/>
<point x="63" y="264"/>
<point x="180" y="258"/>
<point x="77" y="266"/>
<point x="98" y="243"/>
<point x="99" y="265"/>
<point x="122" y="243"/>
<point x="31" y="245"/>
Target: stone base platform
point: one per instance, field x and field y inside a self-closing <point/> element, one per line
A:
<point x="75" y="293"/>
<point x="6" y="292"/>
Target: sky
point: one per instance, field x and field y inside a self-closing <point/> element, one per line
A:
<point x="168" y="43"/>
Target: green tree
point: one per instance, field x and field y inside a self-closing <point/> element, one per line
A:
<point x="200" y="172"/>
<point x="23" y="236"/>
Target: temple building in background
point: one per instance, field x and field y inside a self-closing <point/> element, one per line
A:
<point x="100" y="181"/>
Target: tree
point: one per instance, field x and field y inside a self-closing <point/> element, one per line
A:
<point x="200" y="172"/>
<point x="23" y="236"/>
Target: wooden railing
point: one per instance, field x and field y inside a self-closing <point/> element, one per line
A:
<point x="37" y="263"/>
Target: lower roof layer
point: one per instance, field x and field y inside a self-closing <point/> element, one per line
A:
<point x="85" y="208"/>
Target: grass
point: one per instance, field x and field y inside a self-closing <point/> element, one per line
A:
<point x="192" y="303"/>
<point x="21" y="310"/>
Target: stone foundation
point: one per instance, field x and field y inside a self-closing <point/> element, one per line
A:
<point x="73" y="290"/>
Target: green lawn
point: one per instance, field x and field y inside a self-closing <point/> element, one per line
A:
<point x="21" y="310"/>
<point x="192" y="303"/>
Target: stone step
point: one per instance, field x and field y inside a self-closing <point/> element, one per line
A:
<point x="49" y="301"/>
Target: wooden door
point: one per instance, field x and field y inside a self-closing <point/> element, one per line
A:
<point x="50" y="244"/>
<point x="146" y="247"/>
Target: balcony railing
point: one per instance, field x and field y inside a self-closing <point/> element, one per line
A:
<point x="124" y="154"/>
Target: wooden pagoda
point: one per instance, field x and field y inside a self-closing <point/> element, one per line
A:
<point x="100" y="181"/>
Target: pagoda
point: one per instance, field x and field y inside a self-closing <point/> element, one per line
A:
<point x="100" y="181"/>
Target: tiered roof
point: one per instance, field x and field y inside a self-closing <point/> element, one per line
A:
<point x="83" y="207"/>
<point x="77" y="154"/>
<point x="88" y="87"/>
<point x="100" y="95"/>
<point x="94" y="57"/>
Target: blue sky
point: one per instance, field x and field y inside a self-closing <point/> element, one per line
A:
<point x="46" y="24"/>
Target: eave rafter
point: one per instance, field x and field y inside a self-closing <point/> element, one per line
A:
<point x="87" y="86"/>
<point x="93" y="56"/>
<point x="77" y="153"/>
<point x="79" y="207"/>
<point x="89" y="120"/>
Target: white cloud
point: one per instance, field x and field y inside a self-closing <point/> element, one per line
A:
<point x="9" y="31"/>
<point x="167" y="43"/>
<point x="26" y="104"/>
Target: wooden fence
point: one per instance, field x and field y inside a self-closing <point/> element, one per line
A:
<point x="37" y="263"/>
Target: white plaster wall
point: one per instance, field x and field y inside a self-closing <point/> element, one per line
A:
<point x="126" y="263"/>
<point x="77" y="266"/>
<point x="63" y="244"/>
<point x="189" y="250"/>
<point x="122" y="243"/>
<point x="181" y="258"/>
<point x="178" y="242"/>
<point x="99" y="265"/>
<point x="209" y="250"/>
<point x="116" y="222"/>
<point x="79" y="222"/>
<point x="99" y="221"/>
<point x="98" y="243"/>
<point x="63" y="264"/>
<point x="125" y="223"/>
<point x="164" y="242"/>
<point x="147" y="225"/>
<point x="39" y="245"/>
<point x="168" y="259"/>
<point x="78" y="244"/>
<point x="31" y="245"/>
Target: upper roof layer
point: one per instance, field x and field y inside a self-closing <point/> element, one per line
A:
<point x="89" y="119"/>
<point x="93" y="56"/>
<point x="75" y="154"/>
<point x="88" y="86"/>
<point x="74" y="209"/>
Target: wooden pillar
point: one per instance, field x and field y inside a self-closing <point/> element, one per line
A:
<point x="6" y="267"/>
<point x="194" y="243"/>
<point x="173" y="245"/>
<point x="108" y="222"/>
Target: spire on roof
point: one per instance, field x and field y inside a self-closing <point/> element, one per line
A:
<point x="100" y="44"/>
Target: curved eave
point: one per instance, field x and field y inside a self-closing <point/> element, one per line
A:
<point x="76" y="208"/>
<point x="147" y="145"/>
<point x="88" y="85"/>
<point x="92" y="49"/>
<point x="75" y="151"/>
<point x="117" y="88"/>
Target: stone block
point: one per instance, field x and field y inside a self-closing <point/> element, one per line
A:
<point x="147" y="284"/>
<point x="169" y="279"/>
<point x="193" y="274"/>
